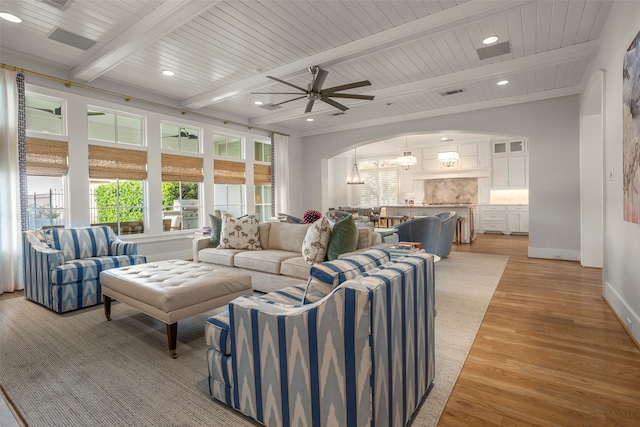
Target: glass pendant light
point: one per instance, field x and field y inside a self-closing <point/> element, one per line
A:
<point x="354" y="176"/>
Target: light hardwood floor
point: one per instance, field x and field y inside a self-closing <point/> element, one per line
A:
<point x="549" y="352"/>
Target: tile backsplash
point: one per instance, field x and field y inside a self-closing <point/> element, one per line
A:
<point x="451" y="190"/>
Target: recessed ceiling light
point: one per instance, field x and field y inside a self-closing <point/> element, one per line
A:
<point x="502" y="82"/>
<point x="258" y="102"/>
<point x="490" y="40"/>
<point x="309" y="120"/>
<point x="168" y="73"/>
<point x="9" y="17"/>
<point x="257" y="70"/>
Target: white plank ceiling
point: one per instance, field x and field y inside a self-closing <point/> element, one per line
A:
<point x="410" y="50"/>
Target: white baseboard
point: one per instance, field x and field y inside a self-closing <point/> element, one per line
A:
<point x="623" y="311"/>
<point x="550" y="253"/>
<point x="186" y="254"/>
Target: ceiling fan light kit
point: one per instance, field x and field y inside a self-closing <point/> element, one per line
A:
<point x="316" y="93"/>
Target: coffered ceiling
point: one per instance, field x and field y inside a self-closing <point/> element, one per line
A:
<point x="411" y="51"/>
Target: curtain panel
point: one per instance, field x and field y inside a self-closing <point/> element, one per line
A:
<point x="10" y="202"/>
<point x="280" y="186"/>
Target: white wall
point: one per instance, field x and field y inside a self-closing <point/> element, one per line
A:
<point x="552" y="127"/>
<point x="621" y="239"/>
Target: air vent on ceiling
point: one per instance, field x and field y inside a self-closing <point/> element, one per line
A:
<point x="70" y="39"/>
<point x="337" y="113"/>
<point x="270" y="107"/>
<point x="452" y="92"/>
<point x="58" y="4"/>
<point x="494" y="50"/>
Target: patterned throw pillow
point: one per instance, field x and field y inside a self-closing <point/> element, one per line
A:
<point x="239" y="233"/>
<point x="314" y="245"/>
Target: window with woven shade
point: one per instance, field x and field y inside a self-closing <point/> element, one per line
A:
<point x="229" y="189"/>
<point x="46" y="168"/>
<point x="181" y="178"/>
<point x="262" y="191"/>
<point x="116" y="182"/>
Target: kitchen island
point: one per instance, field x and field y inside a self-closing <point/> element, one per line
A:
<point x="464" y="211"/>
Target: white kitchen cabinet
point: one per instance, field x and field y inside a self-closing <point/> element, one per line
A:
<point x="518" y="219"/>
<point x="509" y="173"/>
<point x="484" y="155"/>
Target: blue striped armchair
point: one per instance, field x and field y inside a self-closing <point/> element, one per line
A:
<point x="363" y="355"/>
<point x="62" y="265"/>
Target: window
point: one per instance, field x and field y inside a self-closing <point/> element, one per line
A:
<point x="229" y="186"/>
<point x="227" y="146"/>
<point x="262" y="151"/>
<point x="262" y="182"/>
<point x="116" y="183"/>
<point x="229" y="198"/>
<point x="44" y="114"/>
<point x="180" y="138"/>
<point x="181" y="178"/>
<point x="114" y="127"/>
<point x="380" y="182"/>
<point x="46" y="167"/>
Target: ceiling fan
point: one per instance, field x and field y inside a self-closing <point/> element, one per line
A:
<point x="183" y="134"/>
<point x="316" y="93"/>
<point x="58" y="111"/>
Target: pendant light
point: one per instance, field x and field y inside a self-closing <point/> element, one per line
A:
<point x="407" y="160"/>
<point x="448" y="158"/>
<point x="354" y="176"/>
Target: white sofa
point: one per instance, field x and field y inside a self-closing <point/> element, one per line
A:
<point x="280" y="263"/>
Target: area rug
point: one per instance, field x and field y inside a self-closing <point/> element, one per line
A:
<point x="77" y="369"/>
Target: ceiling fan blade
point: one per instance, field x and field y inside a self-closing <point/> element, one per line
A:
<point x="349" y="95"/>
<point x="275" y="93"/>
<point x="289" y="100"/>
<point x="309" y="106"/>
<point x="345" y="87"/>
<point x="334" y="103"/>
<point x="321" y="76"/>
<point x="287" y="83"/>
<point x="46" y="110"/>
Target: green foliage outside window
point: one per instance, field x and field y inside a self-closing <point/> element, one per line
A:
<point x="171" y="191"/>
<point x="128" y="203"/>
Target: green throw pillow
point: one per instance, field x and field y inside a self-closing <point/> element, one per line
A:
<point x="344" y="238"/>
<point x="216" y="227"/>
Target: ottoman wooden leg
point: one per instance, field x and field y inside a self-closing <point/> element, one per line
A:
<point x="107" y="306"/>
<point x="172" y="335"/>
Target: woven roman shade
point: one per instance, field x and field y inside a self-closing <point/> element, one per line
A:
<point x="181" y="168"/>
<point x="227" y="172"/>
<point x="115" y="162"/>
<point x="262" y="174"/>
<point x="46" y="157"/>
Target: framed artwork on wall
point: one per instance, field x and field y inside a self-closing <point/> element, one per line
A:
<point x="631" y="131"/>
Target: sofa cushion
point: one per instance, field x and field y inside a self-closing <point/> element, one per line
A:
<point x="295" y="267"/>
<point x="267" y="261"/>
<point x="314" y="245"/>
<point x="216" y="228"/>
<point x="287" y="236"/>
<point x="264" y="229"/>
<point x="326" y="276"/>
<point x="365" y="237"/>
<point x="78" y="243"/>
<point x="239" y="233"/>
<point x="218" y="256"/>
<point x="89" y="268"/>
<point x="344" y="238"/>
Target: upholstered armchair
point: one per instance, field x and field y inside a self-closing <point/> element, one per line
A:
<point x="362" y="355"/>
<point x="425" y="230"/>
<point x="447" y="233"/>
<point x="62" y="265"/>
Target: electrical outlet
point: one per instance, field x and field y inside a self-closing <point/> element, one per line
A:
<point x="611" y="174"/>
<point x="628" y="323"/>
<point x="557" y="256"/>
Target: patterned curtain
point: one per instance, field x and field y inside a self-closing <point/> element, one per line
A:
<point x="280" y="173"/>
<point x="11" y="153"/>
<point x="22" y="151"/>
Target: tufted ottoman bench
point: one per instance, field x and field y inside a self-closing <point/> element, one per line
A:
<point x="173" y="290"/>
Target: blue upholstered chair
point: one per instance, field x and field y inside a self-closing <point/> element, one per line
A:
<point x="62" y="265"/>
<point x="361" y="355"/>
<point x="447" y="233"/>
<point x="425" y="230"/>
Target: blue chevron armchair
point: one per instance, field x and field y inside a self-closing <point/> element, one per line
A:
<point x="362" y="355"/>
<point x="62" y="265"/>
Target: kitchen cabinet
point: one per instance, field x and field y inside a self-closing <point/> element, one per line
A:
<point x="509" y="173"/>
<point x="504" y="219"/>
<point x="518" y="219"/>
